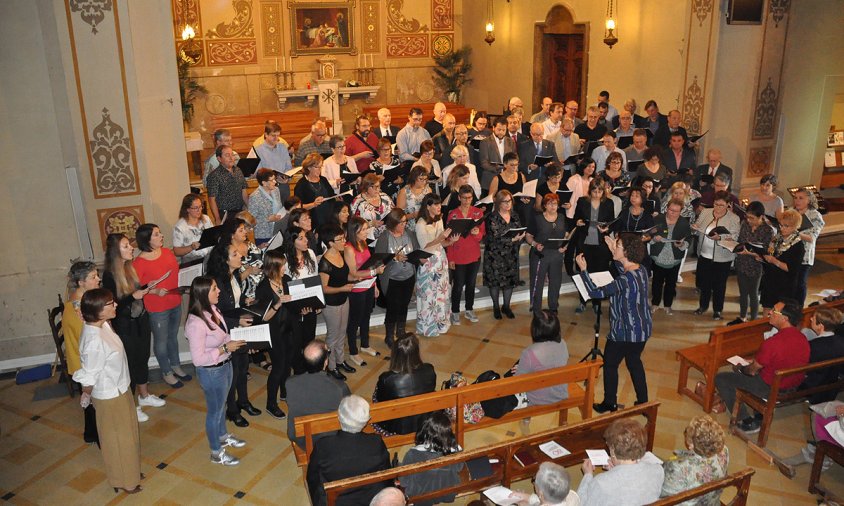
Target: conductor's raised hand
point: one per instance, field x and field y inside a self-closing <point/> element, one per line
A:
<point x="581" y="261"/>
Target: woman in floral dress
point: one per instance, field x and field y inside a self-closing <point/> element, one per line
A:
<point x="433" y="293"/>
<point x="410" y="197"/>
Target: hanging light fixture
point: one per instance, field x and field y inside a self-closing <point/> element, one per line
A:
<point x="610" y="34"/>
<point x="190" y="50"/>
<point x="490" y="24"/>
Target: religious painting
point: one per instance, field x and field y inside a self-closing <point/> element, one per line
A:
<point x="322" y="28"/>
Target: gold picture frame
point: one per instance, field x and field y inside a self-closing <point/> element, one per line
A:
<point x="322" y="28"/>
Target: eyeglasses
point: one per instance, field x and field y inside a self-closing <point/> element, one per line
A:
<point x="111" y="303"/>
<point x="774" y="312"/>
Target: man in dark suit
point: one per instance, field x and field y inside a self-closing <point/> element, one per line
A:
<point x="492" y="152"/>
<point x="348" y="453"/>
<point x="445" y="141"/>
<point x="514" y="130"/>
<point x="662" y="136"/>
<point x="536" y="146"/>
<point x="654" y="118"/>
<point x="385" y="128"/>
<point x="314" y="392"/>
<point x="677" y="156"/>
<point x="712" y="167"/>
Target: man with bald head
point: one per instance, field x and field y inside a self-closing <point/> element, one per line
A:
<point x="435" y="126"/>
<point x="712" y="167"/>
<point x="314" y="142"/>
<point x="533" y="147"/>
<point x="544" y="111"/>
<point x="625" y="129"/>
<point x="444" y="141"/>
<point x="314" y="391"/>
<point x="570" y="112"/>
<point x="385" y="127"/>
<point x="662" y="136"/>
<point x="512" y="104"/>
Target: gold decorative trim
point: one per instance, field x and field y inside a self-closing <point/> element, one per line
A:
<point x="397" y="23"/>
<point x="693" y="108"/>
<point x="240" y="27"/>
<point x="407" y="46"/>
<point x="232" y="52"/>
<point x="271" y="28"/>
<point x="442" y="44"/>
<point x="779" y="9"/>
<point x="194" y="17"/>
<point x="120" y="220"/>
<point x="442" y="15"/>
<point x="371" y="26"/>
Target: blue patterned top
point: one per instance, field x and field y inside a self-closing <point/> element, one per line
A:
<point x="630" y="313"/>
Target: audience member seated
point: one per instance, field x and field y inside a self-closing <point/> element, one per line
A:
<point x="787" y="348"/>
<point x="313" y="392"/>
<point x="628" y="480"/>
<point x="346" y="454"/>
<point x="827" y="345"/>
<point x="806" y="455"/>
<point x="552" y="486"/>
<point x="407" y="376"/>
<point x="547" y="352"/>
<point x="390" y="496"/>
<point x="434" y="439"/>
<point x="705" y="459"/>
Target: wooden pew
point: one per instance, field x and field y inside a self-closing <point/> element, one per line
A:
<point x="245" y="128"/>
<point x="400" y="112"/>
<point x="778" y="397"/>
<point x="577" y="438"/>
<point x="740" y="480"/>
<point x="572" y="375"/>
<point x="724" y="342"/>
<point x="836" y="453"/>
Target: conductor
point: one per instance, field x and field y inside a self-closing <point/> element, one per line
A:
<point x="630" y="317"/>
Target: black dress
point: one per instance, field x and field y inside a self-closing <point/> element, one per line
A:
<point x="523" y="210"/>
<point x="501" y="255"/>
<point x="776" y="283"/>
<point x="308" y="193"/>
<point x="280" y="340"/>
<point x="134" y="333"/>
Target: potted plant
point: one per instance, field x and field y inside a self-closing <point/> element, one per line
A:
<point x="452" y="72"/>
<point x="190" y="90"/>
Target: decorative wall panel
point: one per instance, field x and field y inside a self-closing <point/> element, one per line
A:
<point x="442" y="44"/>
<point x="703" y="24"/>
<point x="98" y="64"/>
<point x="238" y="28"/>
<point x="397" y="22"/>
<point x="370" y="13"/>
<point x="191" y="14"/>
<point x="271" y="28"/>
<point x="120" y="220"/>
<point x="760" y="161"/>
<point x="232" y="52"/>
<point x="442" y="15"/>
<point x="407" y="46"/>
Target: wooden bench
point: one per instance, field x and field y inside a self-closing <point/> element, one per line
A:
<point x="724" y="342"/>
<point x="400" y="112"/>
<point x="245" y="128"/>
<point x="778" y="397"/>
<point x="580" y="397"/>
<point x="836" y="453"/>
<point x="577" y="438"/>
<point x="739" y="480"/>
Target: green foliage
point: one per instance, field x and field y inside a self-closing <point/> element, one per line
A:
<point x="189" y="88"/>
<point x="452" y="71"/>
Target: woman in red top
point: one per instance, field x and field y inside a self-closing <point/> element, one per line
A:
<point x="464" y="256"/>
<point x="361" y="300"/>
<point x="164" y="302"/>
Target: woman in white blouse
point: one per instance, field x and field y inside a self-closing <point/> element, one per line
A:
<point x="104" y="377"/>
<point x="188" y="229"/>
<point x="210" y="351"/>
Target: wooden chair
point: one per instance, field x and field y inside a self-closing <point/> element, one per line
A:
<point x="777" y="397"/>
<point x="836" y="453"/>
<point x="55" y="318"/>
<point x="739" y="480"/>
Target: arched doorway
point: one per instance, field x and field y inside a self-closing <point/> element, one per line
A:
<point x="561" y="49"/>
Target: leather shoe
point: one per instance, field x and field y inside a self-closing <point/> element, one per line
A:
<point x="237" y="419"/>
<point x="346" y="367"/>
<point x="508" y="313"/>
<point x="334" y="373"/>
<point x="604" y="407"/>
<point x="496" y="313"/>
<point x="251" y="410"/>
<point x="276" y="412"/>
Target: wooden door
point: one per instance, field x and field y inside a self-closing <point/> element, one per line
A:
<point x="564" y="66"/>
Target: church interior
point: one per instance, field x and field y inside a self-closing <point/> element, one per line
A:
<point x="113" y="105"/>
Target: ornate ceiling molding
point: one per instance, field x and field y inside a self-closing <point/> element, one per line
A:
<point x="240" y="27"/>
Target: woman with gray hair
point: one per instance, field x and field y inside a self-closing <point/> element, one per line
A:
<point x="350" y="452"/>
<point x="552" y="486"/>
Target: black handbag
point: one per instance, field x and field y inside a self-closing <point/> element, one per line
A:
<point x="500" y="406"/>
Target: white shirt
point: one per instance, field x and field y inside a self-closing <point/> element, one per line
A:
<point x="185" y="235"/>
<point x="303" y="272"/>
<point x="551" y="128"/>
<point x="500" y="144"/>
<point x="385" y="131"/>
<point x="473" y="176"/>
<point x="104" y="363"/>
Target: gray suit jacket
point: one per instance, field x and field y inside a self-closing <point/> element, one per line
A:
<point x="490" y="156"/>
<point x="312" y="394"/>
<point x="527" y="153"/>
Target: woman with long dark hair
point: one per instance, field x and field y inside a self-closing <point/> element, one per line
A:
<point x="271" y="292"/>
<point x="432" y="287"/>
<point x="435" y="438"/>
<point x="211" y="348"/>
<point x="407" y="376"/>
<point x="131" y="322"/>
<point x="188" y="229"/>
<point x="164" y="301"/>
<point x="361" y="300"/>
<point x="224" y="263"/>
<point x="398" y="278"/>
<point x="301" y="263"/>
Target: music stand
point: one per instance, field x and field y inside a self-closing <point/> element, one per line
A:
<point x="595" y="352"/>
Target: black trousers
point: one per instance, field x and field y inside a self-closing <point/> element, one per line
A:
<point x="465" y="277"/>
<point x="302" y="332"/>
<point x="240" y="366"/>
<point x="360" y="310"/>
<point x="712" y="281"/>
<point x="542" y="267"/>
<point x="135" y="334"/>
<point x="631" y="353"/>
<point x="91" y="435"/>
<point x="398" y="298"/>
<point x="280" y="357"/>
<point x="664" y="287"/>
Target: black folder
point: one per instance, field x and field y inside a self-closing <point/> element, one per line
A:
<point x="248" y="166"/>
<point x="210" y="236"/>
<point x="376" y="260"/>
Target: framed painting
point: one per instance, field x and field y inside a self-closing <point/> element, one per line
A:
<point x="322" y="28"/>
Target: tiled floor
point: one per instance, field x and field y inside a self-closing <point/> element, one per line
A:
<point x="44" y="461"/>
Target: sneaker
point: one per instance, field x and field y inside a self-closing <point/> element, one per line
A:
<point x="455" y="318"/>
<point x="470" y="315"/>
<point x="700" y="310"/>
<point x="717" y="315"/>
<point x="750" y="425"/>
<point x="151" y="400"/>
<point x="371" y="351"/>
<point x="795" y="460"/>
<point x="224" y="458"/>
<point x="357" y="360"/>
<point x="229" y="440"/>
<point x="668" y="311"/>
<point x="142" y="417"/>
<point x="276" y="412"/>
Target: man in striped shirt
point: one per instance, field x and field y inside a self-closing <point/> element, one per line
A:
<point x="630" y="317"/>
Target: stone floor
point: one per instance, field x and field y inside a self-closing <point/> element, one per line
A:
<point x="44" y="461"/>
